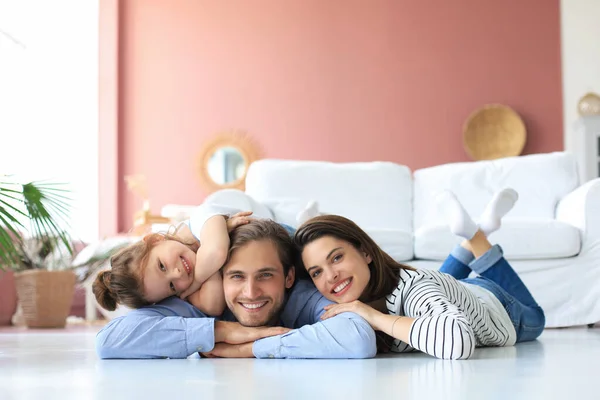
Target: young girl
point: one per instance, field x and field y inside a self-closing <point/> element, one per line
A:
<point x="440" y="312"/>
<point x="184" y="264"/>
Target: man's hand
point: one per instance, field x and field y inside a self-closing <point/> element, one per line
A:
<point x="226" y="350"/>
<point x="238" y="219"/>
<point x="236" y="333"/>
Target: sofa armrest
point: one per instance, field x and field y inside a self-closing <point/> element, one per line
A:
<point x="581" y="208"/>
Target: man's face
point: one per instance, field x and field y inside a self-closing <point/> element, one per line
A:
<point x="254" y="283"/>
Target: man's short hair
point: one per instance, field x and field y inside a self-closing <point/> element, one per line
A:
<point x="265" y="229"/>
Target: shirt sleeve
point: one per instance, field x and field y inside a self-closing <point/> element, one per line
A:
<point x="440" y="328"/>
<point x="157" y="332"/>
<point x="203" y="213"/>
<point x="346" y="335"/>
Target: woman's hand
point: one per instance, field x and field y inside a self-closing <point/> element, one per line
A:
<point x="241" y="218"/>
<point x="357" y="307"/>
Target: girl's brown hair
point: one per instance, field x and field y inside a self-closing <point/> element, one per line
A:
<point x="385" y="271"/>
<point x="123" y="283"/>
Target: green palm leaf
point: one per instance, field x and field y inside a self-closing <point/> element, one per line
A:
<point x="43" y="205"/>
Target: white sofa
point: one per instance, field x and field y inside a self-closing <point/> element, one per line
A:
<point x="551" y="237"/>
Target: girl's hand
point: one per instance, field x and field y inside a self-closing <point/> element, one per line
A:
<point x="241" y="218"/>
<point x="357" y="307"/>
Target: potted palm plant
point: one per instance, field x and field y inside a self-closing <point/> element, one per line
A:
<point x="32" y="220"/>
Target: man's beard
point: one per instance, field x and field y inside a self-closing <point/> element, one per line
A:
<point x="247" y="319"/>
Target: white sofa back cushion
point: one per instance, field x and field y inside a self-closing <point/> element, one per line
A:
<point x="542" y="180"/>
<point x="375" y="195"/>
<point x="520" y="239"/>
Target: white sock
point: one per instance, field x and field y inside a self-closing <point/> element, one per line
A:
<point x="502" y="202"/>
<point x="310" y="211"/>
<point x="457" y="217"/>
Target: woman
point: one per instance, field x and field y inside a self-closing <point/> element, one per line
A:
<point x="442" y="313"/>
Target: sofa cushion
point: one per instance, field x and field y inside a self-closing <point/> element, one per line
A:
<point x="375" y="195"/>
<point x="521" y="239"/>
<point x="541" y="180"/>
<point x="397" y="243"/>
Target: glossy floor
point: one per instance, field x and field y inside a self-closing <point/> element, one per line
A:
<point x="63" y="365"/>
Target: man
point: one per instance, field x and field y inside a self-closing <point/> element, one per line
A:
<point x="261" y="293"/>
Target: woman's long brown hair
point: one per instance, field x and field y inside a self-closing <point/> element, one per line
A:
<point x="385" y="271"/>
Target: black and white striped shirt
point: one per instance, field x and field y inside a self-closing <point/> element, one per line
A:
<point x="451" y="317"/>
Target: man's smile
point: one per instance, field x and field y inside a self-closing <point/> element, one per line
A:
<point x="253" y="307"/>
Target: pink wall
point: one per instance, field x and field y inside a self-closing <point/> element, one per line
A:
<point x="108" y="100"/>
<point x="329" y="80"/>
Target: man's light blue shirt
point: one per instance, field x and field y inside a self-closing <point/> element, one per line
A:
<point x="174" y="328"/>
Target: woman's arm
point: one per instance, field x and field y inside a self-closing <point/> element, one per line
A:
<point x="393" y="325"/>
<point x="210" y="298"/>
<point x="440" y="328"/>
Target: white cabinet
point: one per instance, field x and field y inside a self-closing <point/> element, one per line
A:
<point x="587" y="147"/>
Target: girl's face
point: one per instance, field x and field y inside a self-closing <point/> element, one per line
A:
<point x="169" y="270"/>
<point x="338" y="269"/>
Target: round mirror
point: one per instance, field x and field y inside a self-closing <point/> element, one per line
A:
<point x="224" y="160"/>
<point x="226" y="165"/>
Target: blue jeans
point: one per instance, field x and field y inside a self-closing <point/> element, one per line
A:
<point x="289" y="229"/>
<point x="497" y="276"/>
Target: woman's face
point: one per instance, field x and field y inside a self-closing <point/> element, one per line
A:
<point x="338" y="269"/>
<point x="169" y="270"/>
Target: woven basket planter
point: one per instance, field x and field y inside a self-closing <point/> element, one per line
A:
<point x="8" y="297"/>
<point x="494" y="131"/>
<point x="45" y="297"/>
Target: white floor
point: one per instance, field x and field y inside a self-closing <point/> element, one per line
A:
<point x="63" y="365"/>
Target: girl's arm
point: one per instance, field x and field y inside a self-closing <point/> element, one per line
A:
<point x="214" y="246"/>
<point x="210" y="298"/>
